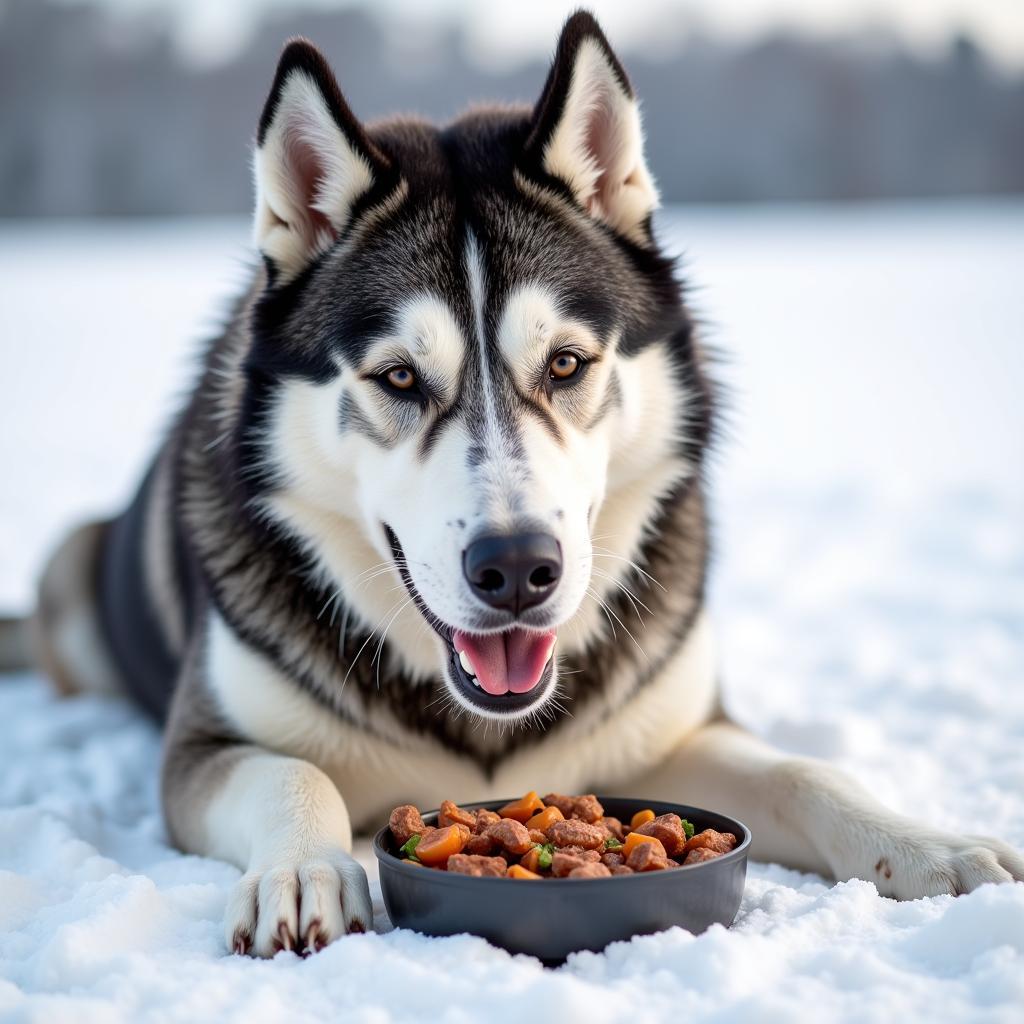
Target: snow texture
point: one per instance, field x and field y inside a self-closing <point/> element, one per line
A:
<point x="869" y="593"/>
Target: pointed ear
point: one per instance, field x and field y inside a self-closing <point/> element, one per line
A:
<point x="313" y="162"/>
<point x="586" y="132"/>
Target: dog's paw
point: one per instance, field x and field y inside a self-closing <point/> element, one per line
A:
<point x="301" y="906"/>
<point x="933" y="864"/>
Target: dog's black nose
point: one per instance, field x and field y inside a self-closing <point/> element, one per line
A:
<point x="513" y="572"/>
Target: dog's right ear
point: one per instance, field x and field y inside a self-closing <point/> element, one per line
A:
<point x="313" y="162"/>
<point x="586" y="132"/>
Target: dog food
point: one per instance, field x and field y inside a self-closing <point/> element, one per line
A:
<point x="555" y="836"/>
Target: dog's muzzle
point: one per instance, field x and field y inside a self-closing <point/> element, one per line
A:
<point x="507" y="671"/>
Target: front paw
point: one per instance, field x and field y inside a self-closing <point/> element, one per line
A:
<point x="934" y="864"/>
<point x="301" y="905"/>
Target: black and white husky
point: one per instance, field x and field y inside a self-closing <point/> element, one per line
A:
<point x="445" y="459"/>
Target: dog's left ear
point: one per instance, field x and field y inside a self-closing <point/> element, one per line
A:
<point x="313" y="163"/>
<point x="586" y="132"/>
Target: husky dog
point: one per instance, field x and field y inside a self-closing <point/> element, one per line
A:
<point x="460" y="414"/>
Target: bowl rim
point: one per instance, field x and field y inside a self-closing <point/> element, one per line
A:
<point x="388" y="859"/>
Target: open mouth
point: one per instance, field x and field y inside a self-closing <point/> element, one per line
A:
<point x="502" y="672"/>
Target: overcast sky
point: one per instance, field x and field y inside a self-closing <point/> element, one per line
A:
<point x="509" y="30"/>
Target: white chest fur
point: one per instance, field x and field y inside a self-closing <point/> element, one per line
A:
<point x="597" y="746"/>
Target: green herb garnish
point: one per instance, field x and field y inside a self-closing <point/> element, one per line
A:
<point x="409" y="847"/>
<point x="544" y="857"/>
<point x="687" y="828"/>
<point x="611" y="843"/>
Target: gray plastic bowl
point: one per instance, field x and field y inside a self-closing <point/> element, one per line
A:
<point x="557" y="916"/>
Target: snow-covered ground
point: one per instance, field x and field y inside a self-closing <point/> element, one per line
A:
<point x="869" y="592"/>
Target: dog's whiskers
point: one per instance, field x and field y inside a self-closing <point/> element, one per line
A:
<point x="362" y="648"/>
<point x="344" y="630"/>
<point x="380" y="647"/>
<point x="608" y="611"/>
<point x="600" y="552"/>
<point x="593" y="594"/>
<point x="380" y="569"/>
<point x="332" y="599"/>
<point x="444" y="695"/>
<point x="630" y="596"/>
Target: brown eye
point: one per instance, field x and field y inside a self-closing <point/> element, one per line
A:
<point x="401" y="377"/>
<point x="564" y="366"/>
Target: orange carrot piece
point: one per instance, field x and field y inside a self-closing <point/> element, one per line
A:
<point x="524" y="808"/>
<point x="531" y="859"/>
<point x="641" y="818"/>
<point x="518" y="871"/>
<point x="542" y="820"/>
<point x="632" y="840"/>
<point x="439" y="845"/>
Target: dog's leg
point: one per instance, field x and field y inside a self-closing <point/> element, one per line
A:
<point x="278" y="818"/>
<point x="808" y="815"/>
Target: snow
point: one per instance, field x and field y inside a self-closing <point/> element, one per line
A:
<point x="869" y="592"/>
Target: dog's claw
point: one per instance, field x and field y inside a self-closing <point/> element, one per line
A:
<point x="284" y="938"/>
<point x="241" y="944"/>
<point x="356" y="927"/>
<point x="313" y="943"/>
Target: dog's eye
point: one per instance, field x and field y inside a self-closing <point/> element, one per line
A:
<point x="564" y="366"/>
<point x="401" y="378"/>
<point x="400" y="381"/>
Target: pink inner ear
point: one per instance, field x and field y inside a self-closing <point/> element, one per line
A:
<point x="307" y="174"/>
<point x="602" y="143"/>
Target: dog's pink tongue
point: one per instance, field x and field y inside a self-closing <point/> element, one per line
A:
<point x="526" y="654"/>
<point x="512" y="661"/>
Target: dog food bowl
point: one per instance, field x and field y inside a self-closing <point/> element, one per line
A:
<point x="557" y="916"/>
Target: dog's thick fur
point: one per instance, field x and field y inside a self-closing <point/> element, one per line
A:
<point x="284" y="587"/>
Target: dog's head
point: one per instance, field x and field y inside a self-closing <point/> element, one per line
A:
<point x="470" y="365"/>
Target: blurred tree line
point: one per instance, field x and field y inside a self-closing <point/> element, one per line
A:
<point x="100" y="116"/>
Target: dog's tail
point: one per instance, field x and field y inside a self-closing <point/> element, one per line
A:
<point x="15" y="645"/>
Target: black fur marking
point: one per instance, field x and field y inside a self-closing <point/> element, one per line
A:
<point x="539" y="412"/>
<point x="433" y="435"/>
<point x="352" y="418"/>
<point x="127" y="617"/>
<point x="267" y="365"/>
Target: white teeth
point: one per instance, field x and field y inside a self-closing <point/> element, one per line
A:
<point x="467" y="665"/>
